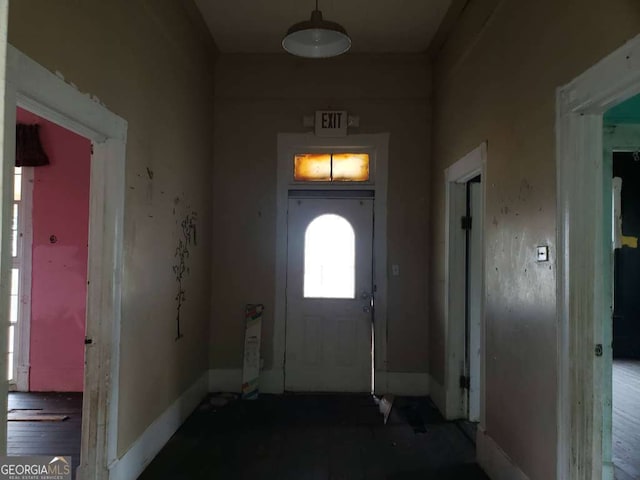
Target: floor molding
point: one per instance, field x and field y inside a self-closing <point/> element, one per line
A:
<point x="147" y="446"/>
<point x="225" y="380"/>
<point x="494" y="461"/>
<point x="272" y="381"/>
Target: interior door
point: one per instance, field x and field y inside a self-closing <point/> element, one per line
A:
<point x="474" y="296"/>
<point x="329" y="295"/>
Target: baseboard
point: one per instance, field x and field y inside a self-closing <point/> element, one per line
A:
<point x="494" y="461"/>
<point x="438" y="394"/>
<point x="272" y="381"/>
<point x="407" y="384"/>
<point x="230" y="380"/>
<point x="225" y="380"/>
<point x="147" y="446"/>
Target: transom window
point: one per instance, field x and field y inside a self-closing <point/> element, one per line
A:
<point x="329" y="258"/>
<point x="331" y="167"/>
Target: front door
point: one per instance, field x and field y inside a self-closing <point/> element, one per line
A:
<point x="329" y="295"/>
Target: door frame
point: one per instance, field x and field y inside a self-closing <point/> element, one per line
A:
<point x="583" y="278"/>
<point x="456" y="176"/>
<point x="34" y="88"/>
<point x="272" y="381"/>
<point x="23" y="331"/>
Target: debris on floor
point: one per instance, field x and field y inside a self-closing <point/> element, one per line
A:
<point x="385" y="404"/>
<point x="37" y="415"/>
<point x="337" y="436"/>
<point x="218" y="400"/>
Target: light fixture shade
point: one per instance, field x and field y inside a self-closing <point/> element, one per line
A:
<point x="316" y="38"/>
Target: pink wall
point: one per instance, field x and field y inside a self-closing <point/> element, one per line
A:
<point x="59" y="273"/>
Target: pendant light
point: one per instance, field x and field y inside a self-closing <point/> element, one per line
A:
<point x="316" y="38"/>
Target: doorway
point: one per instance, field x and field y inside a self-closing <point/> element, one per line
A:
<point x="50" y="254"/>
<point x="622" y="161"/>
<point x="329" y="295"/>
<point x="473" y="225"/>
<point x="349" y="170"/>
<point x="584" y="262"/>
<point x="33" y="88"/>
<point x="464" y="288"/>
<point x="50" y="231"/>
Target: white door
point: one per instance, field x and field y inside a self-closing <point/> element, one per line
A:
<point x="474" y="298"/>
<point x="329" y="287"/>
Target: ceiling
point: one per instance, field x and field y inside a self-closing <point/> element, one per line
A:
<point x="375" y="26"/>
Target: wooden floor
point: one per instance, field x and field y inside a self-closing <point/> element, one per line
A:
<point x="626" y="419"/>
<point x="46" y="438"/>
<point x="317" y="437"/>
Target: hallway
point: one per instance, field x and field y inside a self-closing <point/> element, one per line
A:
<point x="317" y="437"/>
<point x="626" y="419"/>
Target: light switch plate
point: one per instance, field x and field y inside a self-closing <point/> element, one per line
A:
<point x="395" y="270"/>
<point x="542" y="254"/>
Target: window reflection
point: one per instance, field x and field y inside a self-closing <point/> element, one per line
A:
<point x="329" y="258"/>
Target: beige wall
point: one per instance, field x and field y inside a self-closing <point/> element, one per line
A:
<point x="258" y="96"/>
<point x="495" y="80"/>
<point x="146" y="62"/>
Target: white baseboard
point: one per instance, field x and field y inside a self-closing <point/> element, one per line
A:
<point x="225" y="380"/>
<point x="401" y="383"/>
<point x="494" y="461"/>
<point x="438" y="395"/>
<point x="230" y="380"/>
<point x="272" y="381"/>
<point x="147" y="446"/>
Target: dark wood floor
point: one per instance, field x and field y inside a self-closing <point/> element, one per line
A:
<point x="317" y="437"/>
<point x="46" y="438"/>
<point x="626" y="419"/>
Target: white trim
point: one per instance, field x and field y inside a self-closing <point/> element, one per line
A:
<point x="149" y="444"/>
<point x="378" y="147"/>
<point x="468" y="167"/>
<point x="584" y="262"/>
<point x="494" y="461"/>
<point x="36" y="89"/>
<point x="7" y="92"/>
<point x="225" y="380"/>
<point x="407" y="384"/>
<point x="26" y="258"/>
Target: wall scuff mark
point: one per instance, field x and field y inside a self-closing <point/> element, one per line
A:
<point x="180" y="269"/>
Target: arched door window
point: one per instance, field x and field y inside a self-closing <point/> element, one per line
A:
<point x="329" y="258"/>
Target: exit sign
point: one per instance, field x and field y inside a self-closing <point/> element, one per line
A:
<point x="331" y="123"/>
